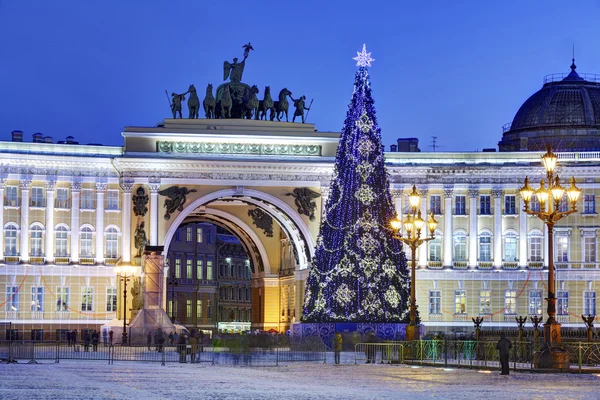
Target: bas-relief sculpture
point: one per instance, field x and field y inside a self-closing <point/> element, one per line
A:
<point x="140" y="202"/>
<point x="176" y="199"/>
<point x="262" y="220"/>
<point x="304" y="200"/>
<point x="235" y="99"/>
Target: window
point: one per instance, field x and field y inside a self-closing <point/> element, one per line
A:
<point x="510" y="247"/>
<point x="87" y="298"/>
<point x="535" y="302"/>
<point x="562" y="307"/>
<point x="37" y="299"/>
<point x="589" y="302"/>
<point x="112" y="200"/>
<point x="485" y="247"/>
<point x="86" y="242"/>
<point x="62" y="198"/>
<point x="589" y="249"/>
<point x="62" y="298"/>
<point x="435" y="204"/>
<point x="188" y="308"/>
<point x="112" y="243"/>
<point x="199" y="309"/>
<point x="209" y="237"/>
<point x="11" y="196"/>
<point x="188" y="270"/>
<point x="10" y="240"/>
<point x="435" y="302"/>
<point x="589" y="204"/>
<point x="460" y="205"/>
<point x="111" y="299"/>
<point x="510" y="302"/>
<point x="188" y="234"/>
<point x="460" y="302"/>
<point x="562" y="248"/>
<point x="178" y="268"/>
<point x="535" y="247"/>
<point x="199" y="235"/>
<point x="199" y="269"/>
<point x="485" y="205"/>
<point x="12" y="298"/>
<point x="209" y="309"/>
<point x="485" y="302"/>
<point x="435" y="249"/>
<point x="87" y="199"/>
<point x="534" y="204"/>
<point x="209" y="268"/>
<point x="510" y="204"/>
<point x="37" y="197"/>
<point x="563" y="206"/>
<point x="60" y="236"/>
<point x="460" y="246"/>
<point x="170" y="308"/>
<point x="36" y="232"/>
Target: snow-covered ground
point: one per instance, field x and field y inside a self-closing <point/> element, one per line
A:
<point x="130" y="380"/>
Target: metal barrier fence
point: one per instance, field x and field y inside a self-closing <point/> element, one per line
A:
<point x="384" y="353"/>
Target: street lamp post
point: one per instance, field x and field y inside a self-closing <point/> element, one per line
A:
<point x="125" y="273"/>
<point x="172" y="281"/>
<point x="413" y="225"/>
<point x="551" y="355"/>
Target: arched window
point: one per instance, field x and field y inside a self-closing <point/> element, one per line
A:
<point x="61" y="237"/>
<point x="86" y="242"/>
<point x="435" y="247"/>
<point x="460" y="245"/>
<point x="36" y="232"/>
<point x="485" y="246"/>
<point x="510" y="246"/>
<point x="112" y="242"/>
<point x="536" y="240"/>
<point x="10" y="239"/>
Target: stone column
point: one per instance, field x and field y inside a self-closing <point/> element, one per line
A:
<point x="126" y="186"/>
<point x="100" y="188"/>
<point x="473" y="194"/>
<point x="497" y="195"/>
<point x="75" y="193"/>
<point x="448" y="227"/>
<point x="154" y="186"/>
<point x="325" y="192"/>
<point x="2" y="185"/>
<point x="423" y="248"/>
<point x="522" y="234"/>
<point x="25" y="184"/>
<point x="49" y="246"/>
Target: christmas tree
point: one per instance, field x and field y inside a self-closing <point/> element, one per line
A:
<point x="359" y="272"/>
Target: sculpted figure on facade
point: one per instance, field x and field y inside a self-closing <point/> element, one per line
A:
<point x="141" y="240"/>
<point x="176" y="199"/>
<point x="176" y="100"/>
<point x="304" y="200"/>
<point x="262" y="220"/>
<point x="300" y="107"/>
<point x="140" y="202"/>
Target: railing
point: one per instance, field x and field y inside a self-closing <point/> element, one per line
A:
<point x="556" y="77"/>
<point x="383" y="353"/>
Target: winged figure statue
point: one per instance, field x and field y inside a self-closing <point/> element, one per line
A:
<point x="305" y="201"/>
<point x="176" y="199"/>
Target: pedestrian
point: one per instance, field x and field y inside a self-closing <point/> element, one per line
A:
<point x="160" y="340"/>
<point x="371" y="350"/>
<point x="95" y="340"/>
<point x="194" y="346"/>
<point x="337" y="346"/>
<point x="182" y="348"/>
<point x="504" y="345"/>
<point x="105" y="337"/>
<point x="171" y="338"/>
<point x="149" y="339"/>
<point x="86" y="340"/>
<point x="110" y="336"/>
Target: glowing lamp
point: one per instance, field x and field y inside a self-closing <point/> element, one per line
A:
<point x="408" y="224"/>
<point x="542" y="193"/>
<point x="396" y="224"/>
<point x="526" y="191"/>
<point x="549" y="159"/>
<point x="573" y="193"/>
<point x="432" y="224"/>
<point x="557" y="190"/>
<point x="419" y="222"/>
<point x="414" y="198"/>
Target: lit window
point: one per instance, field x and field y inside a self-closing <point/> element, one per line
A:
<point x="12" y="298"/>
<point x="562" y="307"/>
<point x="188" y="234"/>
<point x="112" y="243"/>
<point x="60" y="237"/>
<point x="188" y="269"/>
<point x="111" y="299"/>
<point x="535" y="247"/>
<point x="199" y="235"/>
<point x="435" y="249"/>
<point x="199" y="269"/>
<point x="460" y="301"/>
<point x="188" y="308"/>
<point x="87" y="298"/>
<point x="178" y="268"/>
<point x="535" y="302"/>
<point x="62" y="298"/>
<point x="510" y="302"/>
<point x="37" y="299"/>
<point x="209" y="269"/>
<point x="562" y="248"/>
<point x="485" y="302"/>
<point x="10" y="240"/>
<point x="460" y="246"/>
<point x="435" y="302"/>
<point x="86" y="241"/>
<point x="510" y="247"/>
<point x="199" y="309"/>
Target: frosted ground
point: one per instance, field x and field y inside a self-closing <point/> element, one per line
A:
<point x="129" y="380"/>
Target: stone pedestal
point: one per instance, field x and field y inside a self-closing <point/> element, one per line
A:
<point x="413" y="332"/>
<point x="552" y="357"/>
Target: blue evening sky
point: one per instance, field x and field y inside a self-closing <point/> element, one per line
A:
<point x="457" y="70"/>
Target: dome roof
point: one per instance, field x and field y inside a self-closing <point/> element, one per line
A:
<point x="565" y="103"/>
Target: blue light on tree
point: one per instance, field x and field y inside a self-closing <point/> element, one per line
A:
<point x="359" y="273"/>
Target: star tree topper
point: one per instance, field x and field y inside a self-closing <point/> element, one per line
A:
<point x="363" y="59"/>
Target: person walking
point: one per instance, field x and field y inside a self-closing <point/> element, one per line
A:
<point x="86" y="340"/>
<point x="194" y="346"/>
<point x="110" y="336"/>
<point x="337" y="346"/>
<point x="95" y="340"/>
<point x="149" y="339"/>
<point x="504" y="345"/>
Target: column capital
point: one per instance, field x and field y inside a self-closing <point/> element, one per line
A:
<point x="397" y="193"/>
<point x="127" y="185"/>
<point x="50" y="184"/>
<point x="325" y="191"/>
<point x="497" y="193"/>
<point x="423" y="192"/>
<point x="101" y="186"/>
<point x="473" y="192"/>
<point x="76" y="185"/>
<point x="2" y="182"/>
<point x="448" y="192"/>
<point x="154" y="185"/>
<point x="25" y="183"/>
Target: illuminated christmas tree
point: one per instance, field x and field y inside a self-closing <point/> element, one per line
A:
<point x="359" y="272"/>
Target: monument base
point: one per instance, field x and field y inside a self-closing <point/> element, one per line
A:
<point x="326" y="330"/>
<point x="149" y="320"/>
<point x="552" y="357"/>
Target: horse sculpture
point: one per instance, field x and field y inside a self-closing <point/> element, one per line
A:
<point x="265" y="105"/>
<point x="209" y="102"/>
<point x="226" y="104"/>
<point x="282" y="106"/>
<point x="250" y="103"/>
<point x="193" y="102"/>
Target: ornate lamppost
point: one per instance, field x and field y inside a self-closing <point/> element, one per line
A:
<point x="124" y="273"/>
<point x="172" y="281"/>
<point x="551" y="355"/>
<point x="413" y="225"/>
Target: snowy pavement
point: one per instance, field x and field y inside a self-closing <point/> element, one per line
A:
<point x="130" y="380"/>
